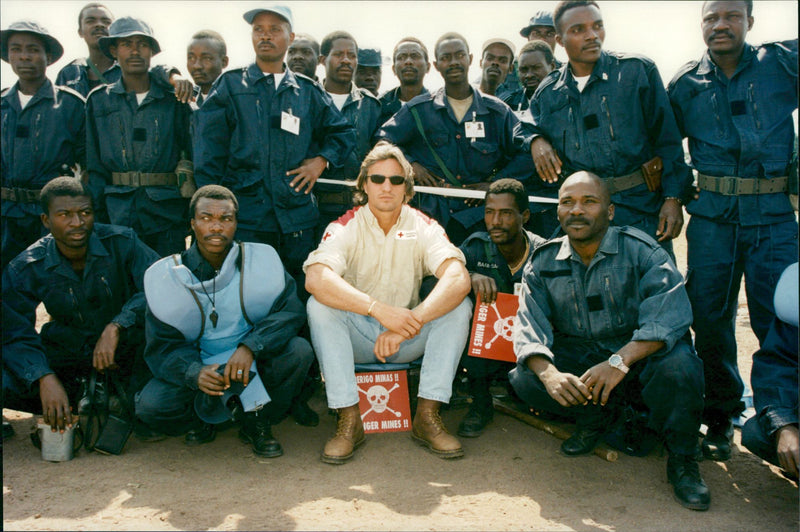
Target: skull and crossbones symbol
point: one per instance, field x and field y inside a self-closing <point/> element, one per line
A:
<point x="503" y="327"/>
<point x="378" y="398"/>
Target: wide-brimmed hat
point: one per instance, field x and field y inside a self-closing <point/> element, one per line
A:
<point x="126" y="27"/>
<point x="370" y="57"/>
<point x="541" y="18"/>
<point x="282" y="11"/>
<point x="51" y="44"/>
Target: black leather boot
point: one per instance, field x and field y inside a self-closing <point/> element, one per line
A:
<point x="257" y="431"/>
<point x="688" y="486"/>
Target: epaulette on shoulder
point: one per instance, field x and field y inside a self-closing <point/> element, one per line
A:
<point x="548" y="80"/>
<point x="787" y="46"/>
<point x="36" y="252"/>
<point x="369" y="95"/>
<point x="685" y="69"/>
<point x="99" y="88"/>
<point x="628" y="56"/>
<point x="494" y="102"/>
<point x="5" y="91"/>
<point x="481" y="236"/>
<point x="786" y="52"/>
<point x="638" y="234"/>
<point x="71" y="92"/>
<point x="104" y="231"/>
<point x="555" y="242"/>
<point x="301" y="76"/>
<point x="420" y="98"/>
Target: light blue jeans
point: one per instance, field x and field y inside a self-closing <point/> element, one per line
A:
<point x="341" y="339"/>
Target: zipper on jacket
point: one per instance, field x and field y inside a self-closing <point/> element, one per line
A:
<point x="108" y="288"/>
<point x="75" y="302"/>
<point x="572" y="123"/>
<point x="752" y="98"/>
<point x="122" y="143"/>
<point x="615" y="310"/>
<point x="604" y="104"/>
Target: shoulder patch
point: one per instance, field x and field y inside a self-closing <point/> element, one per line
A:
<point x="347" y="217"/>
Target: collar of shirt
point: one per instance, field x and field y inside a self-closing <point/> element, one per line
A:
<point x="53" y="257"/>
<point x="289" y="79"/>
<point x="608" y="246"/>
<point x="155" y="91"/>
<point x="599" y="71"/>
<point x="440" y="102"/>
<point x="707" y="64"/>
<point x="45" y="92"/>
<point x="198" y="265"/>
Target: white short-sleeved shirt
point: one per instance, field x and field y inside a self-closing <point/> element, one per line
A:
<point x="389" y="267"/>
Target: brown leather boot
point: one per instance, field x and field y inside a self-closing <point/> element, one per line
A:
<point x="349" y="435"/>
<point x="429" y="431"/>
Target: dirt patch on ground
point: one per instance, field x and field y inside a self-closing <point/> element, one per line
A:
<point x="512" y="478"/>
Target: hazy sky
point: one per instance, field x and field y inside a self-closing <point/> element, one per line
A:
<point x="668" y="32"/>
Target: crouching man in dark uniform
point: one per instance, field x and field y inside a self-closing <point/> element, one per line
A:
<point x="221" y="303"/>
<point x="603" y="321"/>
<point x="89" y="278"/>
<point x="496" y="259"/>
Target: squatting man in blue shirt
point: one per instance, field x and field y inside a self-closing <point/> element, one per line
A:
<point x="603" y="322"/>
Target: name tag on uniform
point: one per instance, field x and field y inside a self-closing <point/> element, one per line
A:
<point x="405" y="235"/>
<point x="290" y="123"/>
<point x="474" y="130"/>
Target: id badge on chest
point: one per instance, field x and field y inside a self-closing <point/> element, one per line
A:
<point x="290" y="123"/>
<point x="474" y="129"/>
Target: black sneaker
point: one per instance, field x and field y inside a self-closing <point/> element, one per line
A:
<point x="717" y="443"/>
<point x="688" y="486"/>
<point x="257" y="431"/>
<point x="474" y="423"/>
<point x="8" y="431"/>
<point x="204" y="434"/>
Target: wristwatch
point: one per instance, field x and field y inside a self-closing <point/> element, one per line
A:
<point x="615" y="361"/>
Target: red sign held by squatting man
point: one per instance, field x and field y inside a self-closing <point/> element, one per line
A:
<point x="492" y="326"/>
<point x="383" y="401"/>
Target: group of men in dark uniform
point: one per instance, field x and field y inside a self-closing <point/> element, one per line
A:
<point x="141" y="138"/>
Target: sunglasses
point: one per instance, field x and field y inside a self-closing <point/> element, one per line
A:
<point x="378" y="179"/>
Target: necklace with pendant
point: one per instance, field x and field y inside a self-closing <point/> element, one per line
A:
<point x="214" y="317"/>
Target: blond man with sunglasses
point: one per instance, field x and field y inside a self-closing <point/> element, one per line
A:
<point x="365" y="278"/>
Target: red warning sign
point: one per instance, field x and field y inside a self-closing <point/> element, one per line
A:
<point x="383" y="401"/>
<point x="492" y="326"/>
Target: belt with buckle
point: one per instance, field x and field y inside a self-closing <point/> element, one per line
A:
<point x="144" y="179"/>
<point x="736" y="186"/>
<point x="624" y="182"/>
<point x="21" y="195"/>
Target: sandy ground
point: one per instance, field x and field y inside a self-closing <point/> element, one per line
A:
<point x="512" y="478"/>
